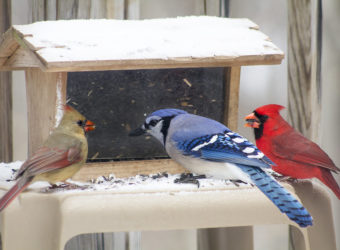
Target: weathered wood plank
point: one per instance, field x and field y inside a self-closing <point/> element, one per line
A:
<point x="45" y="93"/>
<point x="304" y="55"/>
<point x="67" y="9"/>
<point x="84" y="9"/>
<point x="185" y="62"/>
<point x="304" y="80"/>
<point x="132" y="9"/>
<point x="22" y="58"/>
<point x="8" y="45"/>
<point x="98" y="9"/>
<point x="51" y="10"/>
<point x="38" y="10"/>
<point x="212" y="7"/>
<point x="6" y="137"/>
<point x="316" y="86"/>
<point x="232" y="86"/>
<point x="115" y="9"/>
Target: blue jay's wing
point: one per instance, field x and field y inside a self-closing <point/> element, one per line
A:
<point x="279" y="196"/>
<point x="225" y="147"/>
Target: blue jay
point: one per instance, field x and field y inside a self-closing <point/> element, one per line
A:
<point x="204" y="146"/>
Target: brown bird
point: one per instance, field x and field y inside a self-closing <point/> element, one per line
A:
<point x="59" y="158"/>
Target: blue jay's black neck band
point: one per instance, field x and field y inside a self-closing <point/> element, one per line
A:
<point x="165" y="127"/>
<point x="259" y="131"/>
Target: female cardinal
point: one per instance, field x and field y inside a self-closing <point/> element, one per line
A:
<point x="294" y="155"/>
<point x="59" y="158"/>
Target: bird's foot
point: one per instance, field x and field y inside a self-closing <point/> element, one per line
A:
<point x="190" y="179"/>
<point x="285" y="178"/>
<point x="66" y="185"/>
<point x="238" y="182"/>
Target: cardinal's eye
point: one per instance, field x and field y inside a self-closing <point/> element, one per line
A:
<point x="80" y="123"/>
<point x="153" y="122"/>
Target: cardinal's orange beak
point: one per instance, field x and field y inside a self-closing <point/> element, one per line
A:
<point x="252" y="121"/>
<point x="89" y="126"/>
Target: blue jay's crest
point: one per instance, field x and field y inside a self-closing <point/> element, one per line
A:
<point x="167" y="112"/>
<point x="225" y="147"/>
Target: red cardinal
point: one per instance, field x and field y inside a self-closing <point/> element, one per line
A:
<point x="59" y="158"/>
<point x="294" y="155"/>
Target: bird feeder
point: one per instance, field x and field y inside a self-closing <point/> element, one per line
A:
<point x="49" y="51"/>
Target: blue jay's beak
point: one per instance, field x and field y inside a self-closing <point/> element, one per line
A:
<point x="138" y="131"/>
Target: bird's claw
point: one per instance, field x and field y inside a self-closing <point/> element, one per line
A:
<point x="189" y="178"/>
<point x="238" y="182"/>
<point x="66" y="185"/>
<point x="284" y="178"/>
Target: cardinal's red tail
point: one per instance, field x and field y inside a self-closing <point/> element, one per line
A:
<point x="328" y="179"/>
<point x="12" y="193"/>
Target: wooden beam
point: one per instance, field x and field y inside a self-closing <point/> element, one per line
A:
<point x="304" y="83"/>
<point x="304" y="57"/>
<point x="179" y="62"/>
<point x="8" y="45"/>
<point x="6" y="137"/>
<point x="231" y="97"/>
<point x="45" y="93"/>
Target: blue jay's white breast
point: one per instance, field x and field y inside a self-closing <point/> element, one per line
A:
<point x="220" y="170"/>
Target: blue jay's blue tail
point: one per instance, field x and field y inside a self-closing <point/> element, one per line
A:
<point x="279" y="196"/>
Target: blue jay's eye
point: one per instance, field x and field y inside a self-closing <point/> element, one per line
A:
<point x="153" y="122"/>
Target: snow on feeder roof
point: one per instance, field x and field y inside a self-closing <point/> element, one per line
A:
<point x="87" y="45"/>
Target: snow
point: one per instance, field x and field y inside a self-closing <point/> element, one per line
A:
<point x="59" y="102"/>
<point x="153" y="183"/>
<point x="193" y="37"/>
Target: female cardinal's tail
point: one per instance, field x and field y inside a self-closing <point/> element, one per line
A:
<point x="13" y="192"/>
<point x="328" y="179"/>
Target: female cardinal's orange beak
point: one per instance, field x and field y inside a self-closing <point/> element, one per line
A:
<point x="252" y="121"/>
<point x="89" y="126"/>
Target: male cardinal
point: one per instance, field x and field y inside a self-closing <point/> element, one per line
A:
<point x="59" y="158"/>
<point x="294" y="155"/>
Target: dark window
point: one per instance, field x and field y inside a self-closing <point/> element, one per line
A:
<point x="118" y="100"/>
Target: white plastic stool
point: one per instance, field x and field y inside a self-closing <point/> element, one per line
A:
<point x="48" y="221"/>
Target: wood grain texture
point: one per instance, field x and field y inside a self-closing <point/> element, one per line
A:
<point x="185" y="62"/>
<point x="304" y="86"/>
<point x="8" y="45"/>
<point x="45" y="91"/>
<point x="304" y="76"/>
<point x="6" y="137"/>
<point x="231" y="99"/>
<point x="115" y="9"/>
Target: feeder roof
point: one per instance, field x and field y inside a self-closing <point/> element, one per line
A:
<point x="90" y="45"/>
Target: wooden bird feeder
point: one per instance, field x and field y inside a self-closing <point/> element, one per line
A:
<point x="47" y="51"/>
